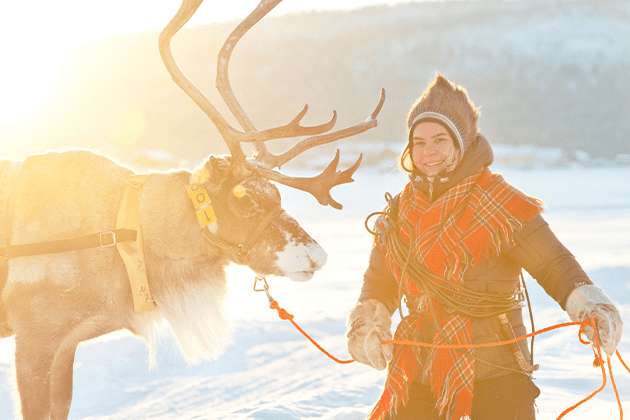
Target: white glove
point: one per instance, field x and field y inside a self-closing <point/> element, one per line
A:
<point x="369" y="323"/>
<point x="589" y="301"/>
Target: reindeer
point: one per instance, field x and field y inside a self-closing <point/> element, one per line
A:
<point x="56" y="298"/>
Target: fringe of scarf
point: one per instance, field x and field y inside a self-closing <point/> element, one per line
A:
<point x="465" y="226"/>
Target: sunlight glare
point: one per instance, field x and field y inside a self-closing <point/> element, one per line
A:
<point x="128" y="125"/>
<point x="27" y="79"/>
<point x="33" y="57"/>
<point x="36" y="37"/>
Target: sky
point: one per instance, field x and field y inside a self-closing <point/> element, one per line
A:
<point x="35" y="36"/>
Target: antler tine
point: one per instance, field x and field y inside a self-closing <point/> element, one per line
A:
<point x="293" y="129"/>
<point x="271" y="161"/>
<point x="223" y="62"/>
<point x="230" y="136"/>
<point x="320" y="185"/>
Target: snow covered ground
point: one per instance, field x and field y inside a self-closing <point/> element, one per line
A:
<point x="272" y="372"/>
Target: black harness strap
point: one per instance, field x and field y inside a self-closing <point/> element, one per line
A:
<point x="9" y="172"/>
<point x="103" y="239"/>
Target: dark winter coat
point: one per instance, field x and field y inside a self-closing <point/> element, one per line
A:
<point x="535" y="248"/>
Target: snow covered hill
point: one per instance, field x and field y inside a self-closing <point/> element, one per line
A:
<point x="547" y="73"/>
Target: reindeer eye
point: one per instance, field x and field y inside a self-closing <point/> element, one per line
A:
<point x="249" y="207"/>
<point x="244" y="204"/>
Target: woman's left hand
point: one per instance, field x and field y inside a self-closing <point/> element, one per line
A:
<point x="369" y="324"/>
<point x="589" y="301"/>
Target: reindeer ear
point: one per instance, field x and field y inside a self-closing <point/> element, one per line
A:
<point x="212" y="174"/>
<point x="201" y="176"/>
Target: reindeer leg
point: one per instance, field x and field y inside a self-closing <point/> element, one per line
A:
<point x="40" y="321"/>
<point x="61" y="375"/>
<point x="44" y="374"/>
<point x="45" y="367"/>
<point x="33" y="361"/>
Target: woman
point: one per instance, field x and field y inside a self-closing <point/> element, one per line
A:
<point x="471" y="233"/>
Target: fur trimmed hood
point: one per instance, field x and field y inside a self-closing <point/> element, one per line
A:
<point x="448" y="104"/>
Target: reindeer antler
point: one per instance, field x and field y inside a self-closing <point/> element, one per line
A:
<point x="264" y="161"/>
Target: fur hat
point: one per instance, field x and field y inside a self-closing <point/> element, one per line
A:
<point x="448" y="104"/>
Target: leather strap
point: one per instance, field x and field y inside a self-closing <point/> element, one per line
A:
<point x="127" y="236"/>
<point x="132" y="252"/>
<point x="239" y="252"/>
<point x="9" y="171"/>
<point x="255" y="235"/>
<point x="103" y="239"/>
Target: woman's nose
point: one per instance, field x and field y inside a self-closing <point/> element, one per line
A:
<point x="430" y="151"/>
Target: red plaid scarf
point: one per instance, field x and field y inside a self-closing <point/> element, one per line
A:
<point x="465" y="226"/>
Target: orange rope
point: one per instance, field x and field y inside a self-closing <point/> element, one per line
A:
<point x="596" y="363"/>
<point x="621" y="360"/>
<point x="467" y="346"/>
<point x="612" y="380"/>
<point x="285" y="315"/>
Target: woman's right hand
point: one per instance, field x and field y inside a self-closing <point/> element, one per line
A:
<point x="369" y="323"/>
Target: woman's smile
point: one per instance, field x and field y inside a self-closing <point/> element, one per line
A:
<point x="434" y="163"/>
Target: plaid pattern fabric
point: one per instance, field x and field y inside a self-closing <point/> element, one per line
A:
<point x="465" y="226"/>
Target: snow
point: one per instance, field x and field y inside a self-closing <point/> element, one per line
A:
<point x="273" y="372"/>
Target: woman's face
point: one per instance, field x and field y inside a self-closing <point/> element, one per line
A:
<point x="433" y="146"/>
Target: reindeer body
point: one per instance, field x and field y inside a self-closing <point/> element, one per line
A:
<point x="56" y="301"/>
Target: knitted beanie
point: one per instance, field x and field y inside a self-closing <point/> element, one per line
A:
<point x="448" y="104"/>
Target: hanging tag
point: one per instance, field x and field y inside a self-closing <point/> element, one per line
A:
<point x="198" y="195"/>
<point x="203" y="204"/>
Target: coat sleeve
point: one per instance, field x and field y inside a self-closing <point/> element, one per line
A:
<point x="378" y="282"/>
<point x="543" y="256"/>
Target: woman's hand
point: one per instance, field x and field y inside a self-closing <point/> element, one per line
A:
<point x="369" y="323"/>
<point x="589" y="301"/>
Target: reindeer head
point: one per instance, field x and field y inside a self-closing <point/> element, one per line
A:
<point x="245" y="217"/>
